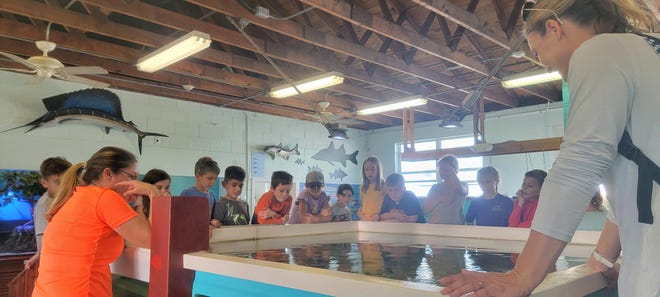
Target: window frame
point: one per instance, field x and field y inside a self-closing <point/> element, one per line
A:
<point x="474" y="189"/>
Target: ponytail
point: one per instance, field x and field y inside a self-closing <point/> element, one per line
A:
<point x="603" y="16"/>
<point x="109" y="157"/>
<point x="69" y="182"/>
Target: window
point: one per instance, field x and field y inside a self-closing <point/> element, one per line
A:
<point x="420" y="176"/>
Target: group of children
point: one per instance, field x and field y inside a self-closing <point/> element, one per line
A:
<point x="273" y="207"/>
<point x="382" y="199"/>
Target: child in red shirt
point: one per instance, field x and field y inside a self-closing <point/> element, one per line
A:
<point x="526" y="199"/>
<point x="273" y="207"/>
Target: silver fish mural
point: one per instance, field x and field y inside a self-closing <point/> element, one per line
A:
<point x="338" y="174"/>
<point x="314" y="168"/>
<point x="300" y="161"/>
<point x="96" y="106"/>
<point x="283" y="151"/>
<point x="332" y="154"/>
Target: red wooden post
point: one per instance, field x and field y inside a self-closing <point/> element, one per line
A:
<point x="179" y="226"/>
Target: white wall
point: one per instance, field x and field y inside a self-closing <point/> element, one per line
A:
<point x="534" y="122"/>
<point x="195" y="130"/>
<point x="229" y="136"/>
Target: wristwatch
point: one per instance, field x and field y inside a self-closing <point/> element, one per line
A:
<point x="602" y="260"/>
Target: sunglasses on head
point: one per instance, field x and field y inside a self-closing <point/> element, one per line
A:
<point x="315" y="186"/>
<point x="529" y="7"/>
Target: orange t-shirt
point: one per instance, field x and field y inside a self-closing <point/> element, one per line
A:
<point x="80" y="243"/>
<point x="267" y="201"/>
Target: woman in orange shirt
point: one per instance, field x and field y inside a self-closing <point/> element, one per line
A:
<point x="89" y="220"/>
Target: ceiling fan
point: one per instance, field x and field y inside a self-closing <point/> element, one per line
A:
<point x="331" y="122"/>
<point x="46" y="67"/>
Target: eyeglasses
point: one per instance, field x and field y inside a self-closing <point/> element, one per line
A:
<point x="528" y="7"/>
<point x="131" y="176"/>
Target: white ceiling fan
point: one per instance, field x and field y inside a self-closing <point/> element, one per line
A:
<point x="46" y="67"/>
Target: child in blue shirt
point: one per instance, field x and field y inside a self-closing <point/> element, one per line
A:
<point x="400" y="205"/>
<point x="492" y="208"/>
<point x="206" y="174"/>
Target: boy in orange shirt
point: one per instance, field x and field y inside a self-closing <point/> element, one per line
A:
<point x="273" y="206"/>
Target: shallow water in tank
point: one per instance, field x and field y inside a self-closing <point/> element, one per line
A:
<point x="403" y="260"/>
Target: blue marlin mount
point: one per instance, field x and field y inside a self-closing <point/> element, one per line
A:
<point x="96" y="106"/>
<point x="332" y="154"/>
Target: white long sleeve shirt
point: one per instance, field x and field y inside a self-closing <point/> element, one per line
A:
<point x="614" y="82"/>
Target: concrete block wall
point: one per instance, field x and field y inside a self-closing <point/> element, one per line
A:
<point x="194" y="130"/>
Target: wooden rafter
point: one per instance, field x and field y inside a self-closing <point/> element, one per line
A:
<point x="463" y="18"/>
<point x="173" y="20"/>
<point x="501" y="15"/>
<point x="115" y="33"/>
<point x="423" y="29"/>
<point x="514" y="17"/>
<point x="460" y="30"/>
<point x="128" y="56"/>
<point x="361" y="17"/>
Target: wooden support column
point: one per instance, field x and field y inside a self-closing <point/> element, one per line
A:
<point x="408" y="130"/>
<point x="180" y="226"/>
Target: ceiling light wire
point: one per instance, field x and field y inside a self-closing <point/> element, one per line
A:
<point x="288" y="79"/>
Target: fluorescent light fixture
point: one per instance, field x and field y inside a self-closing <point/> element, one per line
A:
<point x="530" y="78"/>
<point x="392" y="105"/>
<point x="309" y="84"/>
<point x="185" y="46"/>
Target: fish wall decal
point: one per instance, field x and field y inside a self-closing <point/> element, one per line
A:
<point x="283" y="151"/>
<point x="314" y="168"/>
<point x="96" y="106"/>
<point x="332" y="154"/>
<point x="338" y="174"/>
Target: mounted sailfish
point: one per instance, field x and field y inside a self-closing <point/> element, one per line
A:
<point x="97" y="106"/>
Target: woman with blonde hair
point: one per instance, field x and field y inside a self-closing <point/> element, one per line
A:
<point x="602" y="48"/>
<point x="89" y="220"/>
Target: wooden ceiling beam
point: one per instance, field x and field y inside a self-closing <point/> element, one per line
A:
<point x="176" y="21"/>
<point x="397" y="47"/>
<point x="423" y="30"/>
<point x="460" y="31"/>
<point x="501" y="14"/>
<point x="363" y="18"/>
<point x="514" y="17"/>
<point x="318" y="38"/>
<point x="313" y="36"/>
<point x="120" y="68"/>
<point x="66" y="42"/>
<point x="168" y="18"/>
<point x="463" y="18"/>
